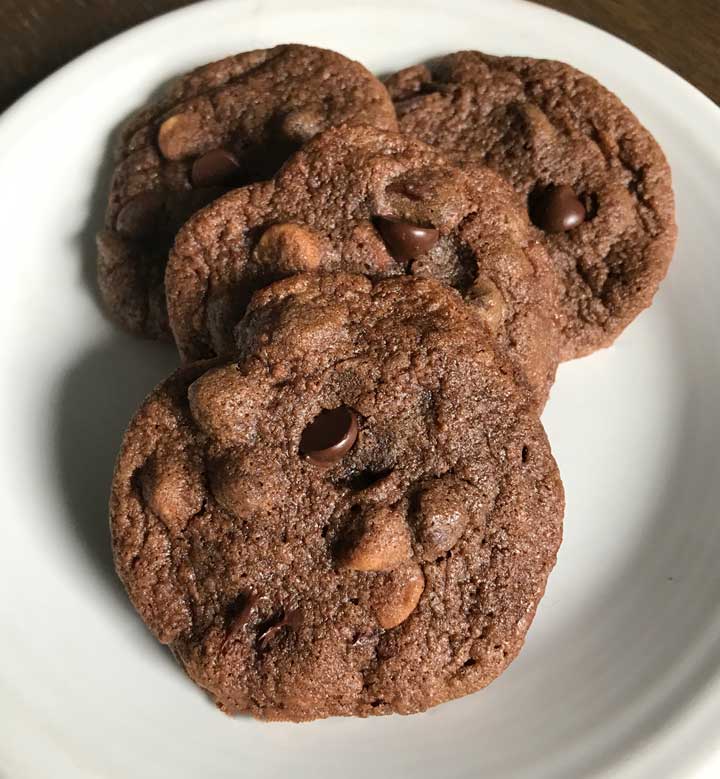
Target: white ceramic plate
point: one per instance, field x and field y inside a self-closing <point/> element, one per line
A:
<point x="619" y="676"/>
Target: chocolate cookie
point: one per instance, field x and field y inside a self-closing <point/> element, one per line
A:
<point x="356" y="515"/>
<point x="365" y="201"/>
<point x="225" y="124"/>
<point x="595" y="181"/>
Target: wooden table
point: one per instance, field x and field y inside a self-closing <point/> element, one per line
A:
<point x="38" y="36"/>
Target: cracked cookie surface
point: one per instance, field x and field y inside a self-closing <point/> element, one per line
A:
<point x="356" y="199"/>
<point x="357" y="515"/>
<point x="222" y="125"/>
<point x="593" y="178"/>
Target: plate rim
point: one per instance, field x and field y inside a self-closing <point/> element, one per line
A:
<point x="14" y="113"/>
<point x="23" y="110"/>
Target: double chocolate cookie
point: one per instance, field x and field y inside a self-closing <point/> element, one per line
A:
<point x="223" y="125"/>
<point x="356" y="515"/>
<point x="356" y="199"/>
<point x="593" y="178"/>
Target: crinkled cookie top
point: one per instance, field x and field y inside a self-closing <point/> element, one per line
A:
<point x="356" y="515"/>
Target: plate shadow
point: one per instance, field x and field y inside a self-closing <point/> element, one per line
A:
<point x="97" y="396"/>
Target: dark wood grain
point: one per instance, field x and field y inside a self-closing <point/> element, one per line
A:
<point x="38" y="36"/>
<point x="682" y="34"/>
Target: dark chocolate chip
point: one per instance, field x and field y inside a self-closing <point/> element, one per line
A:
<point x="291" y="619"/>
<point x="241" y="617"/>
<point x="142" y="216"/>
<point x="268" y="635"/>
<point x="217" y="166"/>
<point x="404" y="239"/>
<point x="329" y="436"/>
<point x="557" y="209"/>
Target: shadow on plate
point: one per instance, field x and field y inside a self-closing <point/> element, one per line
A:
<point x="628" y="650"/>
<point x="97" y="397"/>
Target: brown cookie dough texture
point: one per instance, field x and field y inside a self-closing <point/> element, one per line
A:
<point x="593" y="178"/>
<point x="400" y="569"/>
<point x="360" y="200"/>
<point x="225" y="124"/>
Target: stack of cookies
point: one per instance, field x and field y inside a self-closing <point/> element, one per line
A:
<point x="344" y="502"/>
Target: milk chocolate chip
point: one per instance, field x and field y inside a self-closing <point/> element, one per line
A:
<point x="171" y="490"/>
<point x="178" y="135"/>
<point x="395" y="599"/>
<point x="440" y="518"/>
<point x="489" y="301"/>
<point x="382" y="543"/>
<point x="226" y="406"/>
<point x="289" y="248"/>
<point x="245" y="486"/>
<point x="301" y="125"/>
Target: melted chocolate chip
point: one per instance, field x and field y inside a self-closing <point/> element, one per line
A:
<point x="241" y="616"/>
<point x="142" y="216"/>
<point x="557" y="209"/>
<point x="329" y="436"/>
<point x="217" y="166"/>
<point x="404" y="239"/>
<point x="287" y="619"/>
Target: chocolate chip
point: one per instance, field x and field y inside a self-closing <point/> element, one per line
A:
<point x="557" y="209"/>
<point x="439" y="517"/>
<point x="404" y="239"/>
<point x="141" y="216"/>
<point x="329" y="436"/>
<point x="291" y="619"/>
<point x="380" y="544"/>
<point x="178" y="135"/>
<point x="173" y="493"/>
<point x="241" y="616"/>
<point x="268" y="635"/>
<point x="242" y="486"/>
<point x="397" y="595"/>
<point x="488" y="301"/>
<point x="301" y="125"/>
<point x="218" y="166"/>
<point x="289" y="248"/>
